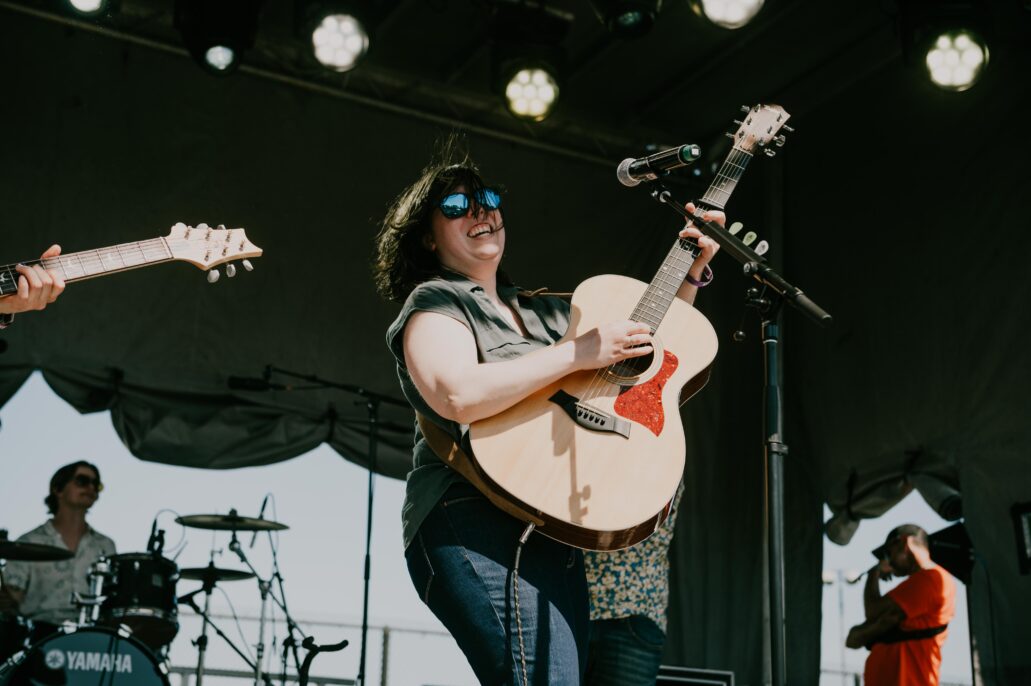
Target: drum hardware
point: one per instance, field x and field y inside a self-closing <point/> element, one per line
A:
<point x="89" y="604"/>
<point x="209" y="576"/>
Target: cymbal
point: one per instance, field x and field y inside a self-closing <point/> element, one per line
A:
<point x="32" y="552"/>
<point x="213" y="574"/>
<point x="229" y="522"/>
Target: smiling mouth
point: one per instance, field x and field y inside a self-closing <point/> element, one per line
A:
<point x="484" y="229"/>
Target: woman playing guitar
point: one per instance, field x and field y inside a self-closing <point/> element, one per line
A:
<point x="468" y="344"/>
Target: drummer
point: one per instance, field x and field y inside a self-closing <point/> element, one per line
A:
<point x="43" y="591"/>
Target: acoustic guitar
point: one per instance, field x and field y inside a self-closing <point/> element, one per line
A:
<point x="595" y="458"/>
<point x="201" y="246"/>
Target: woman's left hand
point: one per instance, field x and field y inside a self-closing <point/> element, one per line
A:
<point x="709" y="247"/>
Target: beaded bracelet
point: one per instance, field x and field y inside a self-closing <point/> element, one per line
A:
<point x="702" y="282"/>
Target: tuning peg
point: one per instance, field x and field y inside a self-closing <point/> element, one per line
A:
<point x="728" y="134"/>
<point x="735" y="228"/>
<point x="247" y="265"/>
<point x="761" y="248"/>
<point x="202" y="227"/>
<point x="738" y="122"/>
<point x="213" y="275"/>
<point x="780" y="140"/>
<point x="746" y="108"/>
<point x="770" y="153"/>
<point x="230" y="270"/>
<point x="788" y="128"/>
<point x="749" y="238"/>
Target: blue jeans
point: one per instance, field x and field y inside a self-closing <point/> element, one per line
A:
<point x="461" y="564"/>
<point x="624" y="652"/>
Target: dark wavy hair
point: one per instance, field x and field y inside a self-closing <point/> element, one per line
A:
<point x="61" y="478"/>
<point x="403" y="257"/>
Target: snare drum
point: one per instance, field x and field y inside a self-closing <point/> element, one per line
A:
<point x="86" y="657"/>
<point x="140" y="593"/>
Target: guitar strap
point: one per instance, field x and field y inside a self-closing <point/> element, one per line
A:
<point x="453" y="456"/>
<point x="898" y="635"/>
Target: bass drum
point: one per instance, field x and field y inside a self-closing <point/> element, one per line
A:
<point x="86" y="657"/>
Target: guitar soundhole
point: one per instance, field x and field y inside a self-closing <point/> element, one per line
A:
<point x="633" y="367"/>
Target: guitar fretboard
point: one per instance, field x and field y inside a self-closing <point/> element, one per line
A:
<point x="659" y="295"/>
<point x="77" y="266"/>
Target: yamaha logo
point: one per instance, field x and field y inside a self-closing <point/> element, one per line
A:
<point x="54" y="659"/>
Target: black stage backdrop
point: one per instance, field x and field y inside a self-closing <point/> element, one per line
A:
<point x="902" y="214"/>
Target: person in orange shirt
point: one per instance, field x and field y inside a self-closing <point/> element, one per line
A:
<point x="906" y="628"/>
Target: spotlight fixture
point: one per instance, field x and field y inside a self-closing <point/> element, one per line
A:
<point x="337" y="33"/>
<point x="526" y="56"/>
<point x="92" y="8"/>
<point x="627" y="18"/>
<point x="945" y="41"/>
<point x="727" y="14"/>
<point x="217" y="34"/>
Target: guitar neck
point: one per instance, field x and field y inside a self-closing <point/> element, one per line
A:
<point x="663" y="288"/>
<point x="87" y="264"/>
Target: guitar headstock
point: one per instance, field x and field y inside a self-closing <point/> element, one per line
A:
<point x="205" y="247"/>
<point x="761" y="127"/>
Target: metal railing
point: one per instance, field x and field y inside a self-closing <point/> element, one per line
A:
<point x="186" y="675"/>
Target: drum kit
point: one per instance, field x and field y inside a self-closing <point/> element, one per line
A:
<point x="129" y="617"/>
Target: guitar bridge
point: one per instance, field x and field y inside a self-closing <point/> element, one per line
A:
<point x="590" y="417"/>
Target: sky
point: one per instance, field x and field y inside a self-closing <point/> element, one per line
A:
<point x="322" y="498"/>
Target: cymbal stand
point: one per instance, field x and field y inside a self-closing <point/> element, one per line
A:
<point x="372" y="401"/>
<point x="264" y="587"/>
<point x="202" y="640"/>
<point x="290" y="643"/>
<point x="188" y="600"/>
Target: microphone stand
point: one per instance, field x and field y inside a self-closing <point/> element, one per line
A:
<point x="188" y="600"/>
<point x="372" y="401"/>
<point x="768" y="303"/>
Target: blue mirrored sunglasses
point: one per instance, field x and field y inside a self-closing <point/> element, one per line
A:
<point x="455" y="205"/>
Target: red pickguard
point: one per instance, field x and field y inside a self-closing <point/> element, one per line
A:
<point x="643" y="403"/>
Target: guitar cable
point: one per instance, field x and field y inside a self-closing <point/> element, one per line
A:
<point x="515" y="583"/>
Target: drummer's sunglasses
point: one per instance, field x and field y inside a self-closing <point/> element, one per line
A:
<point x="455" y="205"/>
<point x="82" y="481"/>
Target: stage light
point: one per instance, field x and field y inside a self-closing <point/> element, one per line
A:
<point x="531" y="93"/>
<point x="339" y="41"/>
<point x="627" y="18"/>
<point x="338" y="32"/>
<point x="217" y="34"/>
<point x="728" y="14"/>
<point x="526" y="58"/>
<point x="945" y="41"/>
<point x="220" y="57"/>
<point x="92" y="8"/>
<point x="956" y="60"/>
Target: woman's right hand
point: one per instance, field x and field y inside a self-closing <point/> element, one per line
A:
<point x="611" y="343"/>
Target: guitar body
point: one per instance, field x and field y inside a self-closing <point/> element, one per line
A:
<point x="600" y="473"/>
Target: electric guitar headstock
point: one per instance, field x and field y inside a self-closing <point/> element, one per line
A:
<point x="206" y="248"/>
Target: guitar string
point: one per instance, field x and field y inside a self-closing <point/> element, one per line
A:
<point x="87" y="263"/>
<point x="724" y="182"/>
<point x="600" y="382"/>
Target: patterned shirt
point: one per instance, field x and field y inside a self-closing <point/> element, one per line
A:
<point x="634" y="581"/>
<point x="49" y="586"/>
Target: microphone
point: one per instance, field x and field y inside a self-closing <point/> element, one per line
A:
<point x="631" y="172"/>
<point x="152" y="541"/>
<point x="249" y="383"/>
<point x="261" y="515"/>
